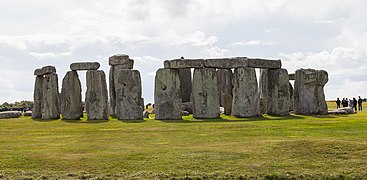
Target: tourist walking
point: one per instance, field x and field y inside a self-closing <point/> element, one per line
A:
<point x="337" y="103"/>
<point x="354" y="101"/>
<point x="360" y="103"/>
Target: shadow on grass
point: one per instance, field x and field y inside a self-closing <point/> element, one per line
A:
<point x="45" y="120"/>
<point x="85" y="121"/>
<point x="132" y="121"/>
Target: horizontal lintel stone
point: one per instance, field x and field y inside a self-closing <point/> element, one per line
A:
<point x="79" y="66"/>
<point x="45" y="70"/>
<point x="121" y="59"/>
<point x="292" y="76"/>
<point x="184" y="63"/>
<point x="226" y="63"/>
<point x="264" y="63"/>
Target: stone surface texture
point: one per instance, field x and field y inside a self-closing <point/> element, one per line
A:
<point x="45" y="70"/>
<point x="225" y="86"/>
<point x="37" y="98"/>
<point x="71" y="97"/>
<point x="167" y="94"/>
<point x="10" y="114"/>
<point x="264" y="63"/>
<point x="227" y="99"/>
<point x="184" y="63"/>
<point x="309" y="97"/>
<point x="129" y="105"/>
<point x="50" y="97"/>
<point x="226" y="63"/>
<point x="185" y="84"/>
<point x="205" y="93"/>
<point x="96" y="99"/>
<point x="245" y="93"/>
<point x="263" y="89"/>
<point x="80" y="66"/>
<point x="278" y="98"/>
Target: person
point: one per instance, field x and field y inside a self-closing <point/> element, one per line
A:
<point x="337" y="103"/>
<point x="344" y="103"/>
<point x="359" y="103"/>
<point x="354" y="101"/>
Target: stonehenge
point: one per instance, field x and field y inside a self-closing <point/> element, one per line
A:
<point x="200" y="87"/>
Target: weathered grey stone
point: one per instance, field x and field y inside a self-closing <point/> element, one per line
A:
<point x="122" y="61"/>
<point x="292" y="76"/>
<point x="188" y="106"/>
<point x="96" y="99"/>
<point x="167" y="94"/>
<point x="184" y="63"/>
<point x="344" y="110"/>
<point x="278" y="100"/>
<point x="45" y="70"/>
<point x="185" y="84"/>
<point x="291" y="97"/>
<point x="245" y="93"/>
<point x="10" y="114"/>
<point x="205" y="93"/>
<point x="225" y="77"/>
<point x="263" y="88"/>
<point x="50" y="101"/>
<point x="27" y="113"/>
<point x="264" y="63"/>
<point x="71" y="97"/>
<point x="226" y="63"/>
<point x="185" y="113"/>
<point x="129" y="105"/>
<point x="80" y="66"/>
<point x="37" y="98"/>
<point x="227" y="100"/>
<point x="309" y="97"/>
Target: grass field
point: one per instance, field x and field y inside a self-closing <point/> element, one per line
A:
<point x="302" y="147"/>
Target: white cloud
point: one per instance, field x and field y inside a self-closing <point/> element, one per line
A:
<point x="252" y="43"/>
<point x="323" y="22"/>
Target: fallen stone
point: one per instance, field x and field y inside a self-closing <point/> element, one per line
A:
<point x="278" y="102"/>
<point x="205" y="93"/>
<point x="167" y="95"/>
<point x="264" y="63"/>
<point x="27" y="113"/>
<point x="345" y="110"/>
<point x="122" y="61"/>
<point x="225" y="78"/>
<point x="185" y="84"/>
<point x="50" y="101"/>
<point x="185" y="113"/>
<point x="71" y="97"/>
<point x="309" y="97"/>
<point x="10" y="114"/>
<point x="96" y="98"/>
<point x="37" y="98"/>
<point x="129" y="105"/>
<point x="184" y="63"/>
<point x="245" y="93"/>
<point x="80" y="66"/>
<point x="226" y="63"/>
<point x="45" y="70"/>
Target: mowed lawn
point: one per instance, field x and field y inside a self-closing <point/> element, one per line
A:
<point x="302" y="147"/>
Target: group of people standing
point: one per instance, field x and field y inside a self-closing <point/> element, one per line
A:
<point x="350" y="103"/>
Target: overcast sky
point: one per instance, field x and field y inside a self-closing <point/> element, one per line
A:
<point x="320" y="34"/>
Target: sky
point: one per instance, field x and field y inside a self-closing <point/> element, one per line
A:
<point x="328" y="34"/>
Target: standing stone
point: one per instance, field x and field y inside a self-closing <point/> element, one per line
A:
<point x="278" y="92"/>
<point x="112" y="91"/>
<point x="227" y="99"/>
<point x="96" y="99"/>
<point x="291" y="97"/>
<point x="205" y="93"/>
<point x="245" y="93"/>
<point x="37" y="98"/>
<point x="225" y="86"/>
<point x="71" y="97"/>
<point x="185" y="84"/>
<point x="167" y="94"/>
<point x="309" y="97"/>
<point x="50" y="101"/>
<point x="128" y="95"/>
<point x="263" y="90"/>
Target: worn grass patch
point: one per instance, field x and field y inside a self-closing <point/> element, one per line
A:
<point x="302" y="147"/>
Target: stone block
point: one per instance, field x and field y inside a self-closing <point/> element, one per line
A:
<point x="96" y="98"/>
<point x="50" y="97"/>
<point x="278" y="100"/>
<point x="184" y="63"/>
<point x="37" y="98"/>
<point x="81" y="66"/>
<point x="121" y="60"/>
<point x="71" y="97"/>
<point x="45" y="70"/>
<point x="225" y="86"/>
<point x="10" y="114"/>
<point x="292" y="76"/>
<point x="185" y="84"/>
<point x="264" y="63"/>
<point x="226" y="63"/>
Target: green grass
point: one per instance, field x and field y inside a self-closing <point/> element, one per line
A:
<point x="302" y="147"/>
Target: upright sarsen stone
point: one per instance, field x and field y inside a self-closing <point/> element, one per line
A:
<point x="37" y="98"/>
<point x="245" y="93"/>
<point x="185" y="84"/>
<point x="309" y="97"/>
<point x="205" y="93"/>
<point x="96" y="99"/>
<point x="263" y="90"/>
<point x="50" y="97"/>
<point x="167" y="94"/>
<point x="225" y="86"/>
<point x="128" y="95"/>
<point x="71" y="97"/>
<point x="278" y="98"/>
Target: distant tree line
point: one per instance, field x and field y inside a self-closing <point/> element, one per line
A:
<point x="16" y="106"/>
